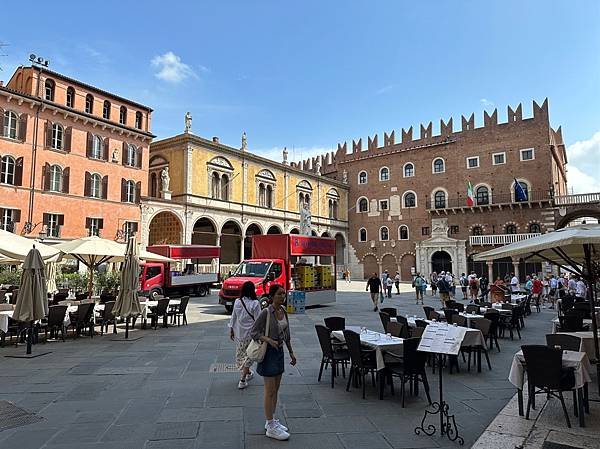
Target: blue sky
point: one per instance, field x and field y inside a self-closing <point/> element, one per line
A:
<point x="310" y="74"/>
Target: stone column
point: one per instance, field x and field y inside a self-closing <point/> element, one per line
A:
<point x="189" y="170"/>
<point x="515" y="262"/>
<point x="490" y="265"/>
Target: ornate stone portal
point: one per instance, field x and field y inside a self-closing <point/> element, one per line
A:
<point x="439" y="241"/>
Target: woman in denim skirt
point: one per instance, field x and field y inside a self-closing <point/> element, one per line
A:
<point x="272" y="366"/>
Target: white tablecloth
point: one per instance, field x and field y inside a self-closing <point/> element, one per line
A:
<point x="570" y="359"/>
<point x="4" y="315"/>
<point x="146" y="305"/>
<point x="497" y="309"/>
<point x="587" y="342"/>
<point x="376" y="340"/>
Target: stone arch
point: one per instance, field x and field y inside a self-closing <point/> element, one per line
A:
<point x="477" y="225"/>
<point x="408" y="262"/>
<point x="274" y="229"/>
<point x="441" y="261"/>
<point x="251" y="229"/>
<point x="389" y="263"/>
<point x="204" y="232"/>
<point x="510" y="223"/>
<point x="370" y="264"/>
<point x="231" y="242"/>
<point x="294" y="231"/>
<point x="534" y="222"/>
<point x="578" y="213"/>
<point x="340" y="249"/>
<point x="165" y="228"/>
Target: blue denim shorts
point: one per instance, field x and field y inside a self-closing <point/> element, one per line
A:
<point x="272" y="364"/>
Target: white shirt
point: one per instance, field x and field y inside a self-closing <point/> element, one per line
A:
<point x="553" y="283"/>
<point x="580" y="289"/>
<point x="572" y="285"/>
<point x="389" y="282"/>
<point x="514" y="283"/>
<point x="240" y="321"/>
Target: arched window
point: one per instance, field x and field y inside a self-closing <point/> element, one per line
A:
<point x="96" y="186"/>
<point x="362" y="177"/>
<point x="153" y="185"/>
<point x="477" y="230"/>
<point x="97" y="147"/>
<point x="131" y="159"/>
<point x="138" y="120"/>
<point x="384" y="234"/>
<point x="439" y="199"/>
<point x="535" y="228"/>
<point x="410" y="199"/>
<point x="57" y="136"/>
<point x="123" y="115"/>
<point x="106" y="110"/>
<point x="269" y="196"/>
<point x="482" y="196"/>
<point x="307" y="200"/>
<point x="525" y="188"/>
<point x="438" y="165"/>
<point x="262" y="195"/>
<point x="403" y="232"/>
<point x="363" y="205"/>
<point x="409" y="170"/>
<point x="300" y="200"/>
<point x="384" y="174"/>
<point x="362" y="235"/>
<point x="130" y="192"/>
<point x="56" y="178"/>
<point x="70" y="97"/>
<point x="511" y="229"/>
<point x="225" y="188"/>
<point x="49" y="90"/>
<point x="10" y="124"/>
<point x="7" y="171"/>
<point x="216" y="185"/>
<point x="89" y="104"/>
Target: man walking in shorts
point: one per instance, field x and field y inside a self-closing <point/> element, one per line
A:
<point x="374" y="286"/>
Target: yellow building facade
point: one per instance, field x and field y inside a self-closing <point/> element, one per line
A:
<point x="204" y="192"/>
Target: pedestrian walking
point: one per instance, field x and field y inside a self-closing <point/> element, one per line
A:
<point x="348" y="279"/>
<point x="389" y="283"/>
<point x="464" y="283"/>
<point x="245" y="312"/>
<point x="433" y="281"/>
<point x="553" y="290"/>
<point x="484" y="287"/>
<point x="397" y="282"/>
<point x="272" y="366"/>
<point x="444" y="288"/>
<point x="374" y="286"/>
<point x="418" y="285"/>
<point x="473" y="286"/>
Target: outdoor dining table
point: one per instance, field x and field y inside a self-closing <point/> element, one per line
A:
<point x="149" y="304"/>
<point x="570" y="359"/>
<point x="470" y="317"/>
<point x="497" y="309"/>
<point x="4" y="316"/>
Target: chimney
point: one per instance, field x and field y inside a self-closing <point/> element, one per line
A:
<point x="215" y="139"/>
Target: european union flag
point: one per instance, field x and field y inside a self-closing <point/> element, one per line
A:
<point x="520" y="194"/>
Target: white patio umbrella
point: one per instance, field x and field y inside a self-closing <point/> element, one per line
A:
<point x="128" y="303"/>
<point x="92" y="252"/>
<point x="14" y="247"/>
<point x="32" y="302"/>
<point x="575" y="249"/>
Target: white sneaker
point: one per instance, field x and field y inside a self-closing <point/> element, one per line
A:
<point x="277" y="423"/>
<point x="277" y="433"/>
<point x="242" y="384"/>
<point x="249" y="376"/>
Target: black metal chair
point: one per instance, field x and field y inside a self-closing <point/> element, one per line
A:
<point x="335" y="323"/>
<point x="545" y="372"/>
<point x="450" y="314"/>
<point x="459" y="320"/>
<point x="585" y="308"/>
<point x="433" y="315"/>
<point x="330" y="357"/>
<point x="106" y="318"/>
<point x="161" y="310"/>
<point x="385" y="319"/>
<point x="512" y="323"/>
<point x="570" y="323"/>
<point x="14" y="295"/>
<point x="472" y="308"/>
<point x="564" y="341"/>
<point x="567" y="302"/>
<point x="459" y="307"/>
<point x="398" y="329"/>
<point x="484" y="325"/>
<point x="391" y="311"/>
<point x="421" y="323"/>
<point x="55" y="322"/>
<point x="362" y="361"/>
<point x="82" y="319"/>
<point x="178" y="312"/>
<point x="494" y="317"/>
<point x="428" y="310"/>
<point x="412" y="368"/>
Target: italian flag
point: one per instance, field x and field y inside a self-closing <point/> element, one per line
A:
<point x="470" y="198"/>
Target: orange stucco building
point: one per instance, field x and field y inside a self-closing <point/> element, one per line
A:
<point x="73" y="158"/>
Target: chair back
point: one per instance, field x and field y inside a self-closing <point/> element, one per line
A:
<point x="354" y="348"/>
<point x="433" y="315"/>
<point x="85" y="312"/>
<point x="450" y="314"/>
<point x="395" y="329"/>
<point x="385" y="319"/>
<point x="459" y="307"/>
<point x="417" y="332"/>
<point x="459" y="320"/>
<point x="585" y="308"/>
<point x="486" y="304"/>
<point x="324" y="336"/>
<point x="576" y="312"/>
<point x="507" y="306"/>
<point x="566" y="342"/>
<point x="391" y="311"/>
<point x="544" y="365"/>
<point x="566" y="303"/>
<point x="56" y="315"/>
<point x="163" y="305"/>
<point x="335" y="323"/>
<point x="2" y="296"/>
<point x="421" y="323"/>
<point x="483" y="324"/>
<point x="471" y="308"/>
<point x="183" y="304"/>
<point x="428" y="310"/>
<point x="107" y="313"/>
<point x="413" y="360"/>
<point x="15" y="294"/>
<point x="571" y="323"/>
<point x="402" y="320"/>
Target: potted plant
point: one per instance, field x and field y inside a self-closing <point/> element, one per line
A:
<point x="109" y="285"/>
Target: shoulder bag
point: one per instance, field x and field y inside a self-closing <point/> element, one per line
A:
<point x="257" y="349"/>
<point x="246" y="309"/>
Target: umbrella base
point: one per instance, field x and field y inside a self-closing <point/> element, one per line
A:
<point x="28" y="356"/>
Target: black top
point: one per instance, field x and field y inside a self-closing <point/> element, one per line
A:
<point x="374" y="284"/>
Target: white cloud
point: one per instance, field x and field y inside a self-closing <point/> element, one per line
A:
<point x="485" y="102"/>
<point x="384" y="89"/>
<point x="171" y="69"/>
<point x="584" y="165"/>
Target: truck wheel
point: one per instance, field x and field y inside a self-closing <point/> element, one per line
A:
<point x="154" y="294"/>
<point x="202" y="290"/>
<point x="229" y="308"/>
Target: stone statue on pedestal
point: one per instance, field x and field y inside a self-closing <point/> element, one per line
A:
<point x="244" y="142"/>
<point x="345" y="176"/>
<point x="164" y="176"/>
<point x="285" y="156"/>
<point x="188" y="122"/>
<point x="318" y="167"/>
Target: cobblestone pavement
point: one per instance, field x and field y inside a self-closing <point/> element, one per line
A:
<point x="159" y="392"/>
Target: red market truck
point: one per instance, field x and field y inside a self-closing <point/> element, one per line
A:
<point x="290" y="260"/>
<point x="195" y="270"/>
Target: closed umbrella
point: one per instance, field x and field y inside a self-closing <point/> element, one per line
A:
<point x="128" y="303"/>
<point x="575" y="249"/>
<point x="32" y="302"/>
<point x="51" y="269"/>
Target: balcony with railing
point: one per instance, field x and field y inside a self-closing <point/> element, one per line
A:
<point x="577" y="198"/>
<point x="498" y="200"/>
<point x="499" y="239"/>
